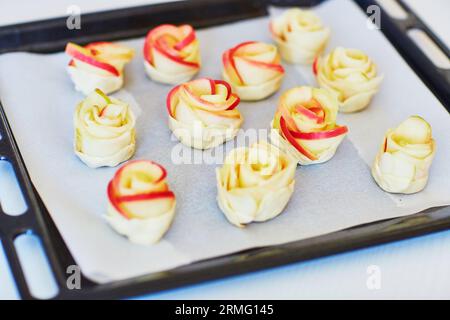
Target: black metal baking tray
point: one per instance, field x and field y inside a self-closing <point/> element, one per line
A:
<point x="52" y="35"/>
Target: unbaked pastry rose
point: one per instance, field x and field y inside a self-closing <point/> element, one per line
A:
<point x="98" y="65"/>
<point x="253" y="70"/>
<point x="202" y="113"/>
<point x="305" y="125"/>
<point x="300" y="35"/>
<point x="140" y="204"/>
<point x="255" y="184"/>
<point x="104" y="131"/>
<point x="404" y="158"/>
<point x="171" y="53"/>
<point x="351" y="75"/>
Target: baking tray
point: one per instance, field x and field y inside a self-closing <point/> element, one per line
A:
<point x="52" y="35"/>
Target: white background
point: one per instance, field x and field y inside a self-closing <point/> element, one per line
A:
<point x="416" y="268"/>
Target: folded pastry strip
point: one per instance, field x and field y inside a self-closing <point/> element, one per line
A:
<point x="203" y="114"/>
<point x="255" y="184"/>
<point x="140" y="204"/>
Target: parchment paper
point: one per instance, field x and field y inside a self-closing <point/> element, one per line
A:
<point x="40" y="99"/>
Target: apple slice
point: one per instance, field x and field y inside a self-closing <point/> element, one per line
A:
<point x="83" y="54"/>
<point x="204" y="93"/>
<point x="414" y="130"/>
<point x="234" y="102"/>
<point x="107" y="50"/>
<point x="168" y="55"/>
<point x="114" y="112"/>
<point x="198" y="102"/>
<point x="114" y="202"/>
<point x="166" y="43"/>
<point x="314" y="66"/>
<point x="153" y="34"/>
<point x="188" y="37"/>
<point x="168" y="40"/>
<point x="320" y="113"/>
<point x="254" y="72"/>
<point x="257" y="52"/>
<point x="252" y="63"/>
<point x="141" y="205"/>
<point x="103" y="95"/>
<point x="287" y="117"/>
<point x="202" y="86"/>
<point x="147" y="51"/>
<point x="148" y="208"/>
<point x="337" y="131"/>
<point x="228" y="63"/>
<point x="226" y="85"/>
<point x="287" y="134"/>
<point x="106" y="98"/>
<point x="184" y="113"/>
<point x="145" y="196"/>
<point x="157" y="173"/>
<point x="171" y="99"/>
<point x="310" y="114"/>
<point x="165" y="63"/>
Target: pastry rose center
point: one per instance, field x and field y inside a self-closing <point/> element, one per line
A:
<point x="220" y="95"/>
<point x="139" y="182"/>
<point x="263" y="162"/>
<point x="307" y="22"/>
<point x="112" y="115"/>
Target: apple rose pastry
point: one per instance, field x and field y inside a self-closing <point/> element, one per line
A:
<point x="140" y="204"/>
<point x="202" y="113"/>
<point x="404" y="158"/>
<point x="171" y="54"/>
<point x="104" y="131"/>
<point x="300" y="35"/>
<point x="98" y="65"/>
<point x="255" y="184"/>
<point x="253" y="70"/>
<point x="350" y="75"/>
<point x="305" y="125"/>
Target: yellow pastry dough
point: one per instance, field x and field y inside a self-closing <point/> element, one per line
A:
<point x="255" y="184"/>
<point x="351" y="75"/>
<point x="104" y="131"/>
<point x="300" y="35"/>
<point x="98" y="65"/>
<point x="405" y="156"/>
<point x="203" y="114"/>
<point x="305" y="125"/>
<point x="172" y="54"/>
<point x="253" y="70"/>
<point x="140" y="204"/>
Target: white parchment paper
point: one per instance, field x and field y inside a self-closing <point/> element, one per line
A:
<point x="40" y="99"/>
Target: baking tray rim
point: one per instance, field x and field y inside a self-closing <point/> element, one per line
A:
<point x="38" y="220"/>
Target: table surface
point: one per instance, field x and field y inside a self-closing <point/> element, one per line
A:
<point x="411" y="269"/>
